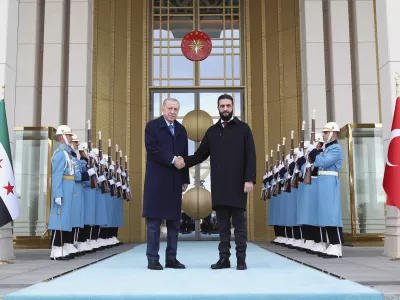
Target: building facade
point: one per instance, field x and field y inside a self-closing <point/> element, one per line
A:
<point x="113" y="61"/>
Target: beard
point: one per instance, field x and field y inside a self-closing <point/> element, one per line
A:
<point x="226" y="117"/>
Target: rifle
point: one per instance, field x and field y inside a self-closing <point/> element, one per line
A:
<point x="278" y="184"/>
<point x="105" y="188"/>
<point x="93" y="179"/>
<point x="128" y="190"/>
<point x="118" y="173"/>
<point x="268" y="193"/>
<point x="307" y="175"/>
<point x="123" y="176"/>
<point x="288" y="182"/>
<point x="111" y="172"/>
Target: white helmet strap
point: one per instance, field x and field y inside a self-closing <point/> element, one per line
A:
<point x="66" y="141"/>
<point x="329" y="137"/>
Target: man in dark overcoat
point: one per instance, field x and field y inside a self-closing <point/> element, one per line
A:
<point x="165" y="140"/>
<point x="230" y="145"/>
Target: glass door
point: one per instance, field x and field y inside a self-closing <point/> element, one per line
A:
<point x="200" y="177"/>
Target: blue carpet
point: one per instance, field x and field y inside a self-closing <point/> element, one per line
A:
<point x="269" y="276"/>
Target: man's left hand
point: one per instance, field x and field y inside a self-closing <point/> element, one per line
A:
<point x="248" y="187"/>
<point x="184" y="187"/>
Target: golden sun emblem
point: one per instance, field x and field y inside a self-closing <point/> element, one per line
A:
<point x="196" y="45"/>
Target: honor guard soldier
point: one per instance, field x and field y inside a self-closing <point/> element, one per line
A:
<point x="329" y="163"/>
<point x="319" y="233"/>
<point x="106" y="230"/>
<point x="89" y="202"/>
<point x="100" y="212"/>
<point x="63" y="181"/>
<point x="77" y="217"/>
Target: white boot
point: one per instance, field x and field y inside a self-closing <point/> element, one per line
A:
<point x="71" y="248"/>
<point x="298" y="243"/>
<point x="309" y="245"/>
<point x="115" y="240"/>
<point x="319" y="247"/>
<point x="333" y="251"/>
<point x="57" y="253"/>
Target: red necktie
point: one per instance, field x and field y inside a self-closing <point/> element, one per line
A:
<point x="225" y="124"/>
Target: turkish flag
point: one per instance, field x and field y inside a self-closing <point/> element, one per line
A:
<point x="391" y="179"/>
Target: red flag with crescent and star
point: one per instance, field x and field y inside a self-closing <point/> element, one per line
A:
<point x="8" y="194"/>
<point x="391" y="179"/>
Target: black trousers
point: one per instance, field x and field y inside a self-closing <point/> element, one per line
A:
<point x="224" y="215"/>
<point x="153" y="239"/>
<point x="84" y="234"/>
<point x="59" y="238"/>
<point x="335" y="235"/>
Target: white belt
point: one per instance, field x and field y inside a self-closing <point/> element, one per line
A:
<point x="328" y="173"/>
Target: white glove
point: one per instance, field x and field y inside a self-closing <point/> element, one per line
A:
<point x="58" y="201"/>
<point x="128" y="190"/>
<point x="101" y="179"/>
<point x="119" y="171"/>
<point x="111" y="167"/>
<point x="103" y="163"/>
<point x="91" y="172"/>
<point x="123" y="174"/>
<point x="111" y="181"/>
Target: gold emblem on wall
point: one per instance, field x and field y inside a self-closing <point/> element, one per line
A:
<point x="196" y="123"/>
<point x="196" y="203"/>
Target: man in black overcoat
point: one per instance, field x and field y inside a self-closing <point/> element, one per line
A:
<point x="165" y="140"/>
<point x="230" y="145"/>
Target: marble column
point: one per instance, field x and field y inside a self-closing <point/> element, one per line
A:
<point x="388" y="24"/>
<point x="54" y="63"/>
<point x="80" y="66"/>
<point x="29" y="63"/>
<point x="8" y="67"/>
<point x="313" y="62"/>
<point x="340" y="108"/>
<point x="364" y="56"/>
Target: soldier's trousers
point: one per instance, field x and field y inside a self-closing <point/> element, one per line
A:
<point x="58" y="238"/>
<point x="224" y="215"/>
<point x="335" y="235"/>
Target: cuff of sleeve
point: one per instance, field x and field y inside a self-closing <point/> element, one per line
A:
<point x="173" y="160"/>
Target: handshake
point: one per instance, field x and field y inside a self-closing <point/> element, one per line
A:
<point x="179" y="162"/>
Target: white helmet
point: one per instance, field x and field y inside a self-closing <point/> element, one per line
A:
<point x="63" y="129"/>
<point x="318" y="138"/>
<point x="331" y="126"/>
<point x="75" y="138"/>
<point x="95" y="151"/>
<point x="83" y="147"/>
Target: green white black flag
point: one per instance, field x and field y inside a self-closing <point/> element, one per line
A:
<point x="8" y="194"/>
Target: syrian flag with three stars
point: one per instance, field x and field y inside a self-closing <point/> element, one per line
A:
<point x="8" y="194"/>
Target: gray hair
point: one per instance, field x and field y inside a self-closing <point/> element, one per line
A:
<point x="171" y="99"/>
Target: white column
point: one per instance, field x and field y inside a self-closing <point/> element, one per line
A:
<point x="340" y="85"/>
<point x="313" y="62"/>
<point x="8" y="67"/>
<point x="29" y="88"/>
<point x="80" y="66"/>
<point x="365" y="77"/>
<point x="388" y="24"/>
<point x="53" y="89"/>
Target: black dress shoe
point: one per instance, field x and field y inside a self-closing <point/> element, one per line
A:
<point x="174" y="264"/>
<point x="223" y="263"/>
<point x="154" y="266"/>
<point x="241" y="265"/>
